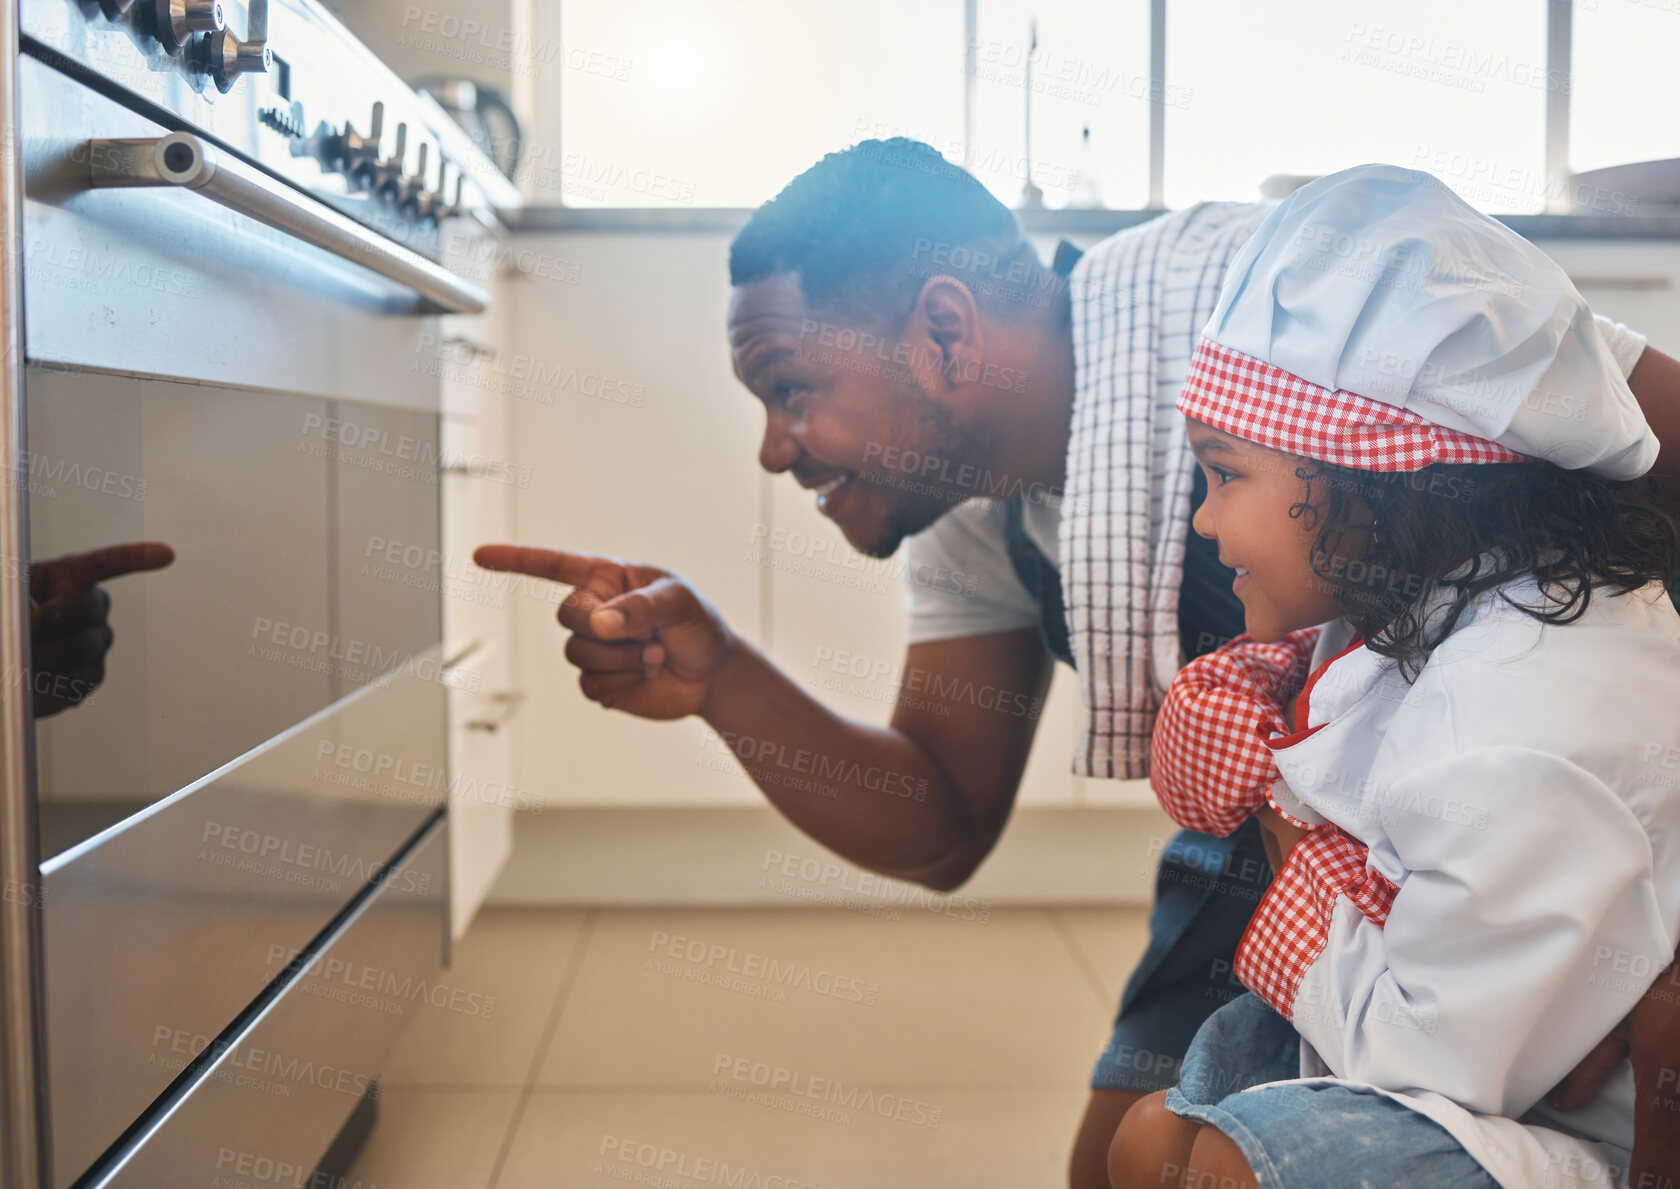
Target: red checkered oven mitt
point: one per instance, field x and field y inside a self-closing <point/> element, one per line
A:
<point x="1208" y="761"/>
<point x="1291" y="926"/>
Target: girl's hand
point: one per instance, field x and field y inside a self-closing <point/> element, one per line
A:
<point x="1279" y="836"/>
<point x="1650" y="1035"/>
<point x="1654" y="1041"/>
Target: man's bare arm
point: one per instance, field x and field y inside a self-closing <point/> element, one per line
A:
<point x="1655" y="381"/>
<point x="958" y="740"/>
<point x="995" y="687"/>
<point x="1654" y="1045"/>
<point x="922" y="799"/>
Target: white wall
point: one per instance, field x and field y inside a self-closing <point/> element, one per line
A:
<point x="436" y="38"/>
<point x="669" y="481"/>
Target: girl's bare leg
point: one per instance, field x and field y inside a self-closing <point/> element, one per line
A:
<point x="1088" y="1164"/>
<point x="1217" y="1163"/>
<point x="1151" y="1147"/>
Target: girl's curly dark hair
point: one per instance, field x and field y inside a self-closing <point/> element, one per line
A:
<point x="1386" y="541"/>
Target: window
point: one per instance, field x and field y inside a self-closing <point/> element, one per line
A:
<point x="1452" y="87"/>
<point x="1090" y="70"/>
<point x="675" y="103"/>
<point x="722" y="103"/>
<point x="1625" y="105"/>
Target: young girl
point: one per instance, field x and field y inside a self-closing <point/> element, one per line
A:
<point x="1414" y="436"/>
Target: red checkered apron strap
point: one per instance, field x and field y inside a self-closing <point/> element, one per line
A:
<point x="1291" y="926"/>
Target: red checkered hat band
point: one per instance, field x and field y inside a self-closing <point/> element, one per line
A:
<point x="1258" y="402"/>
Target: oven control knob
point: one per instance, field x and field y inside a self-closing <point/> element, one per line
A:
<point x="230" y="57"/>
<point x="411" y="190"/>
<point x="385" y="177"/>
<point x="349" y="152"/>
<point x="453" y="209"/>
<point x="429" y="205"/>
<point x="361" y="153"/>
<point x="177" y="20"/>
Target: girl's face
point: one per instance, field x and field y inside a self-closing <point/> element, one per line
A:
<point x="1251" y="489"/>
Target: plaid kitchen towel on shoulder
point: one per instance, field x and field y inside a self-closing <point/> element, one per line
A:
<point x="1139" y="301"/>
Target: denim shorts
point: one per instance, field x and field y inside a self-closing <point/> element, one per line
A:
<point x="1206" y="888"/>
<point x="1309" y="1137"/>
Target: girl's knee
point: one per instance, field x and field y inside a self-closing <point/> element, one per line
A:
<point x="1088" y="1162"/>
<point x="1217" y="1163"/>
<point x="1151" y="1147"/>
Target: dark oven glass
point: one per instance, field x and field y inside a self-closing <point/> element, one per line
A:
<point x="283" y="514"/>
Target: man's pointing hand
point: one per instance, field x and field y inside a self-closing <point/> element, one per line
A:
<point x="644" y="640"/>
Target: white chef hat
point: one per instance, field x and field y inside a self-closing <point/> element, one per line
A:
<point x="1376" y="320"/>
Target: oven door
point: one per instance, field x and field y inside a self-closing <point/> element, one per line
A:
<point x="264" y="726"/>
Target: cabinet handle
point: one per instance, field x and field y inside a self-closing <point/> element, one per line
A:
<point x="472" y="346"/>
<point x="505" y="704"/>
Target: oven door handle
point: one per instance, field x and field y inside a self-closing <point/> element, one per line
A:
<point x="182" y="159"/>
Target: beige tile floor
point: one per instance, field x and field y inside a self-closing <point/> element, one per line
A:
<point x="684" y="1048"/>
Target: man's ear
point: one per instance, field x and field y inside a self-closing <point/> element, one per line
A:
<point x="944" y="337"/>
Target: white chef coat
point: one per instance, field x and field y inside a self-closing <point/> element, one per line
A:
<point x="1524" y="796"/>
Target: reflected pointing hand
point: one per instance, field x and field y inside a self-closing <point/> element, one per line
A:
<point x="645" y="641"/>
<point x="68" y="611"/>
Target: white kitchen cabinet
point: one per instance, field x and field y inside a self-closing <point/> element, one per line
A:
<point x="640" y="444"/>
<point x="483" y="796"/>
<point x="478" y="478"/>
<point x="1632" y="281"/>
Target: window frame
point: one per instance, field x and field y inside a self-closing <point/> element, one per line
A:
<point x="559" y="216"/>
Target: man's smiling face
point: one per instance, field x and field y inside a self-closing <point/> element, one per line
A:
<point x="1252" y="491"/>
<point x="839" y="409"/>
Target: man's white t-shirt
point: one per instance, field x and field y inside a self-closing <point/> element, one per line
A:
<point x="970" y="540"/>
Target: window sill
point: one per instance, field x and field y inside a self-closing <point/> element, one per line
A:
<point x="548" y="220"/>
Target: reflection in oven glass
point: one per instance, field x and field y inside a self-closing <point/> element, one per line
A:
<point x="211" y="570"/>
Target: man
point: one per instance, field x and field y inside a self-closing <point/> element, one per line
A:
<point x="885" y="308"/>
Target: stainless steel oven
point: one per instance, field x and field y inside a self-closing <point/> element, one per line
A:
<point x="236" y="231"/>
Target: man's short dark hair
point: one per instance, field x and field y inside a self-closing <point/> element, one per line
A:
<point x="865" y="227"/>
